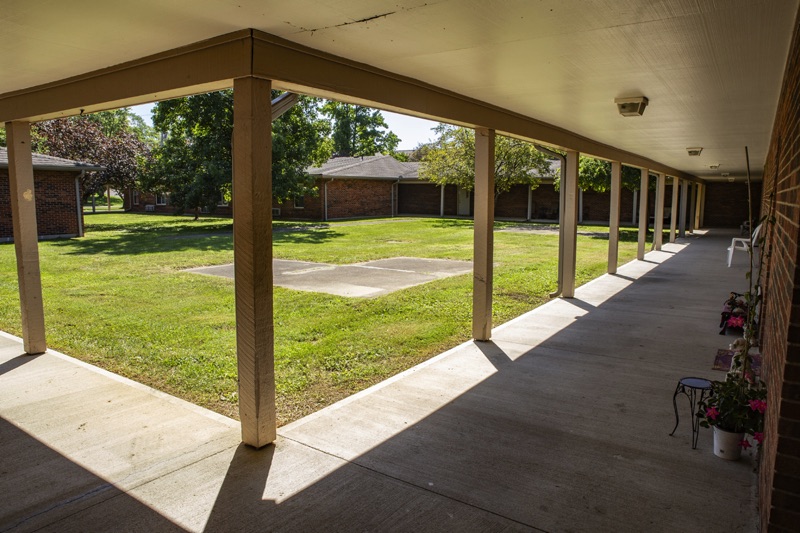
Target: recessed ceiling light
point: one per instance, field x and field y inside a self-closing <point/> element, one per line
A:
<point x="632" y="106"/>
<point x="726" y="174"/>
<point x="714" y="167"/>
<point x="694" y="151"/>
<point x="731" y="180"/>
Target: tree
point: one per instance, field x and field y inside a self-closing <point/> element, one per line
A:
<point x="359" y="130"/>
<point x="82" y="138"/>
<point x="193" y="163"/>
<point x="452" y="161"/>
<point x="595" y="175"/>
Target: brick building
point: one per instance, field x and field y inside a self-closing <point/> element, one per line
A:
<point x="57" y="191"/>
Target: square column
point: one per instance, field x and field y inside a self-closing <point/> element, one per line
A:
<point x="26" y="235"/>
<point x="658" y="223"/>
<point x="569" y="225"/>
<point x="673" y="217"/>
<point x="643" y="222"/>
<point x="252" y="253"/>
<point x="483" y="259"/>
<point x="613" y="219"/>
<point x="684" y="201"/>
<point x="693" y="205"/>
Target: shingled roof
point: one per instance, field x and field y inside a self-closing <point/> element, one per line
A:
<point x="48" y="162"/>
<point x="371" y="166"/>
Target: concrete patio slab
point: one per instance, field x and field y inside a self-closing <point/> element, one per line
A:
<point x="560" y="424"/>
<point x="360" y="280"/>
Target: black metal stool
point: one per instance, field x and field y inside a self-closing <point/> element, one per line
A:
<point x="689" y="387"/>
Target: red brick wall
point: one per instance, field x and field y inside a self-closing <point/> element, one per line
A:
<point x="56" y="204"/>
<point x="359" y="198"/>
<point x="779" y="474"/>
<point x="726" y="204"/>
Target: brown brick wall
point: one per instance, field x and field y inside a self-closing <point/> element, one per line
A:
<point x="419" y="199"/>
<point x="779" y="473"/>
<point x="513" y="204"/>
<point x="726" y="204"/>
<point x="359" y="198"/>
<point x="56" y="204"/>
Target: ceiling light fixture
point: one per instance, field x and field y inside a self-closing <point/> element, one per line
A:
<point x="714" y="167"/>
<point x="726" y="174"/>
<point x="694" y="151"/>
<point x="731" y="180"/>
<point x="632" y="106"/>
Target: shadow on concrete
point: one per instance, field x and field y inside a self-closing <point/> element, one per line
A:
<point x="43" y="490"/>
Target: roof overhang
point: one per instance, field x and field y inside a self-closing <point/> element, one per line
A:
<point x="213" y="64"/>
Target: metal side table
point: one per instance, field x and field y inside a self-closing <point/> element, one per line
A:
<point x="690" y="387"/>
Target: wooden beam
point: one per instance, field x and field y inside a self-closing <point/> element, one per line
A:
<point x="613" y="219"/>
<point x="252" y="248"/>
<point x="684" y="201"/>
<point x="570" y="225"/>
<point x="483" y="235"/>
<point x="643" y="221"/>
<point x="673" y="218"/>
<point x="658" y="222"/>
<point x="26" y="235"/>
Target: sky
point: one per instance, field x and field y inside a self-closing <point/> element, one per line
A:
<point x="411" y="130"/>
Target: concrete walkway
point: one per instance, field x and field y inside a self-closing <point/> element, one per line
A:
<point x="560" y="424"/>
<point x="359" y="280"/>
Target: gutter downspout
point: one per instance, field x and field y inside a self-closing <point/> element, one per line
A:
<point x="78" y="197"/>
<point x="561" y="206"/>
<point x="325" y="191"/>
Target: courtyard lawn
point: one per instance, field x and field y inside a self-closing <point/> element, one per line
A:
<point x="118" y="299"/>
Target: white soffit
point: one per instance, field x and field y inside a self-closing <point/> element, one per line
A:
<point x="710" y="69"/>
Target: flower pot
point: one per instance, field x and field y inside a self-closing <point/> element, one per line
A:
<point x="727" y="444"/>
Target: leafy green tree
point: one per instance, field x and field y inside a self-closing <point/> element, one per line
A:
<point x="2" y="137"/>
<point x="452" y="161"/>
<point x="595" y="175"/>
<point x="193" y="162"/>
<point x="359" y="130"/>
<point x="82" y="138"/>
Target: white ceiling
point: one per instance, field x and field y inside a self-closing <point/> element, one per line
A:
<point x="712" y="69"/>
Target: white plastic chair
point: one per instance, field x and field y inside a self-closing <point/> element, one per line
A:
<point x="742" y="243"/>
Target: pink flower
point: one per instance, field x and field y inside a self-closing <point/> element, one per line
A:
<point x="758" y="405"/>
<point x="736" y="321"/>
<point x="745" y="444"/>
<point x="758" y="437"/>
<point x="711" y="412"/>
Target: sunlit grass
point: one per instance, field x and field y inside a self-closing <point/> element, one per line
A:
<point x="118" y="298"/>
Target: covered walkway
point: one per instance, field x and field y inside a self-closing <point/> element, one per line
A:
<point x="559" y="424"/>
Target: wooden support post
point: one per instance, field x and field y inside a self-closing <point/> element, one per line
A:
<point x="252" y="252"/>
<point x="658" y="223"/>
<point x="643" y="219"/>
<point x="26" y="235"/>
<point x="441" y="202"/>
<point x="692" y="205"/>
<point x="701" y="207"/>
<point x="684" y="200"/>
<point x="613" y="219"/>
<point x="484" y="236"/>
<point x="570" y="225"/>
<point x="673" y="217"/>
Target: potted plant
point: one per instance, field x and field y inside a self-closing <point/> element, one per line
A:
<point x="735" y="410"/>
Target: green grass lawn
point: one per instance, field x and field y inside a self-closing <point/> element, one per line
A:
<point x="117" y="298"/>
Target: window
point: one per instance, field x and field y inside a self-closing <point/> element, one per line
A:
<point x="135" y="198"/>
<point x="299" y="203"/>
<point x="161" y="198"/>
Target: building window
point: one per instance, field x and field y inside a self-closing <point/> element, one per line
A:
<point x="135" y="197"/>
<point x="161" y="198"/>
<point x="299" y="203"/>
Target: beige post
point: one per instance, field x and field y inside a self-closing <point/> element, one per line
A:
<point x="483" y="235"/>
<point x="613" y="219"/>
<point x="702" y="215"/>
<point x="252" y="249"/>
<point x="26" y="235"/>
<point x="673" y="217"/>
<point x="684" y="202"/>
<point x="570" y="226"/>
<point x="698" y="208"/>
<point x="643" y="222"/>
<point x="658" y="223"/>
